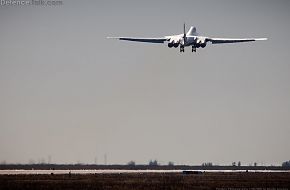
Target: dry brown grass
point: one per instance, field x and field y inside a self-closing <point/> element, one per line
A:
<point x="144" y="181"/>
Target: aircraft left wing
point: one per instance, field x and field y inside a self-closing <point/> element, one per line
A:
<point x="148" y="40"/>
<point x="232" y="40"/>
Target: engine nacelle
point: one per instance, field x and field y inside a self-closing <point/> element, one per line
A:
<point x="170" y="45"/>
<point x="201" y="42"/>
<point x="173" y="43"/>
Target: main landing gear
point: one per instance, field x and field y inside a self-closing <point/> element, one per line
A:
<point x="181" y="48"/>
<point x="193" y="49"/>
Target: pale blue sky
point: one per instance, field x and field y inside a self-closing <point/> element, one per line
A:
<point x="70" y="93"/>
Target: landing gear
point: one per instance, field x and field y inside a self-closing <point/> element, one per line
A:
<point x="181" y="48"/>
<point x="193" y="49"/>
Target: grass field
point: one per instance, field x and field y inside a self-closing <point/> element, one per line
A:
<point x="150" y="181"/>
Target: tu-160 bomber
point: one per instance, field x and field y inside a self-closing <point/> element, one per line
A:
<point x="191" y="38"/>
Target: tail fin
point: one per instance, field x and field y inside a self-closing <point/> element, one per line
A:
<point x="184" y="33"/>
<point x="192" y="31"/>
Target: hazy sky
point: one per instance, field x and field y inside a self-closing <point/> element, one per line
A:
<point x="68" y="93"/>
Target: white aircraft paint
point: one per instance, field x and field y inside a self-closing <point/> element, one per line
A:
<point x="191" y="38"/>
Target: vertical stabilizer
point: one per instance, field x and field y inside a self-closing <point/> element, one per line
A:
<point x="184" y="33"/>
<point x="192" y="32"/>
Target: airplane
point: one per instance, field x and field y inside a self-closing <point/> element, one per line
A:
<point x="191" y="38"/>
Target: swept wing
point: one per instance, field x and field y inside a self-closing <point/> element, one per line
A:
<point x="148" y="40"/>
<point x="232" y="40"/>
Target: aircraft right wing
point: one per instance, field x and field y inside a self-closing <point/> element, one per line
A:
<point x="232" y="40"/>
<point x="148" y="40"/>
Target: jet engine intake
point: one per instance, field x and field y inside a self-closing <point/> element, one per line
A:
<point x="170" y="45"/>
<point x="203" y="45"/>
<point x="201" y="42"/>
<point x="173" y="43"/>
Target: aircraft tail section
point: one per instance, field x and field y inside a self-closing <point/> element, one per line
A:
<point x="192" y="32"/>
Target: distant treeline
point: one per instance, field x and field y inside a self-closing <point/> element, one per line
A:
<point x="132" y="167"/>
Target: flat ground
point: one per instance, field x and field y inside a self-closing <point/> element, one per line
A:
<point x="152" y="181"/>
